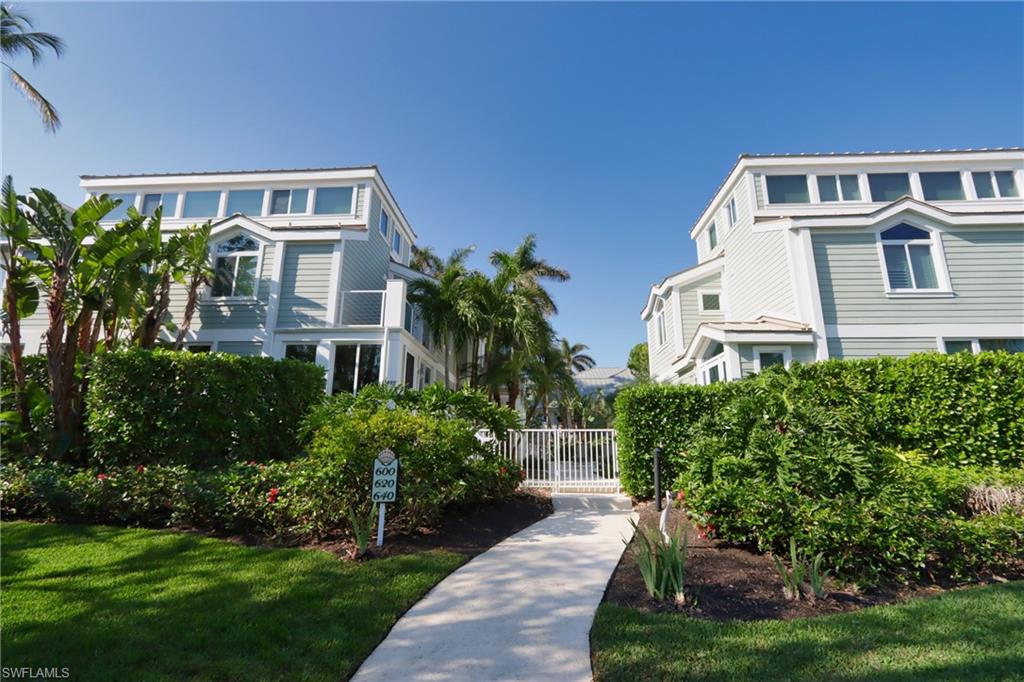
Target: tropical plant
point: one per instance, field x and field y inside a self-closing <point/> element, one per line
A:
<point x="196" y="272"/>
<point x="362" y="530"/>
<point x="662" y="562"/>
<point x="17" y="38"/>
<point x="793" y="577"/>
<point x="548" y="380"/>
<point x="575" y="357"/>
<point x="818" y="576"/>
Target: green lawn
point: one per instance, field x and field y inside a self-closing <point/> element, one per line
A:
<point x="972" y="634"/>
<point x="138" y="604"/>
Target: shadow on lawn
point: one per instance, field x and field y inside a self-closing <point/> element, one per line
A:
<point x="114" y="604"/>
<point x="970" y="634"/>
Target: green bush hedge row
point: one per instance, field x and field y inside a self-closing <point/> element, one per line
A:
<point x="853" y="459"/>
<point x="961" y="410"/>
<point x="441" y="464"/>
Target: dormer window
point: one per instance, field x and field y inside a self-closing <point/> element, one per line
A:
<point x="995" y="184"/>
<point x="235" y="267"/>
<point x="712" y="237"/>
<point x="910" y="261"/>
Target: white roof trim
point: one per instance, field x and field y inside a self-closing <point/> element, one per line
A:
<point x="267" y="234"/>
<point x="691" y="274"/>
<point x="706" y="333"/>
<point x="913" y="206"/>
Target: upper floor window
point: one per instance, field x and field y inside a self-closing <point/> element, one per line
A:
<point x="838" y="188"/>
<point x="659" y="322"/>
<point x="330" y="200"/>
<point x="121" y="211"/>
<point x="786" y="189"/>
<point x="396" y="243"/>
<point x="888" y="186"/>
<point x="289" y="201"/>
<point x="732" y="211"/>
<point x="710" y="301"/>
<point x="712" y="237"/>
<point x="909" y="258"/>
<point x="945" y="186"/>
<point x="384" y="223"/>
<point x="169" y="201"/>
<point x="245" y="201"/>
<point x="994" y="184"/>
<point x="235" y="267"/>
<point x="201" y="204"/>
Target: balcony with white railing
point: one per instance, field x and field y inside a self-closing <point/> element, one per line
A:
<point x="362" y="308"/>
<point x="375" y="308"/>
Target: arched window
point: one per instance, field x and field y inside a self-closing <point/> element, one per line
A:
<point x="909" y="254"/>
<point x="235" y="267"/>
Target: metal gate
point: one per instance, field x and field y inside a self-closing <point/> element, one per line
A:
<point x="565" y="460"/>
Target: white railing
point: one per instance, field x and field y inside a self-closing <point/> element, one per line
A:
<point x="581" y="460"/>
<point x="361" y="308"/>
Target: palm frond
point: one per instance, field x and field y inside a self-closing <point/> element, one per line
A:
<point x="51" y="119"/>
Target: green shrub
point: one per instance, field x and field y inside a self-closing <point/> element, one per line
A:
<point x="200" y="409"/>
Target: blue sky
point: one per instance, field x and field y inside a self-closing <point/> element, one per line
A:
<point x="602" y="128"/>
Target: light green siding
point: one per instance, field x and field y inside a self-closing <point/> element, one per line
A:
<point x="851" y="348"/>
<point x="661" y="356"/>
<point x="305" y="285"/>
<point x="365" y="263"/>
<point x="689" y="307"/>
<point x="240" y="347"/>
<point x="986" y="268"/>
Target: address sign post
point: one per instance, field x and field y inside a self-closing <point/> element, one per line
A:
<point x="385" y="487"/>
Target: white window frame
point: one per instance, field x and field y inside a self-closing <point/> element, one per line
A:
<point x="291" y="201"/>
<point x="839" y="188"/>
<point x="732" y="212"/>
<point x="713" y="229"/>
<point x="787" y="355"/>
<point x="359" y="351"/>
<point x="397" y="234"/>
<point x="807" y="180"/>
<point x="316" y="188"/>
<point x="263" y="202"/>
<point x="259" y="265"/>
<point x="221" y="203"/>
<point x="659" y="323"/>
<point x="934" y="241"/>
<point x="700" y="300"/>
<point x="704" y="369"/>
<point x="975" y="342"/>
<point x="384" y="223"/>
<point x="996" y="193"/>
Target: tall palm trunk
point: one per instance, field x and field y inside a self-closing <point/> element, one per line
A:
<point x="17" y="357"/>
<point x="190" y="308"/>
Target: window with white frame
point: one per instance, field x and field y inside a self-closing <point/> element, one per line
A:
<point x="838" y="188"/>
<point x="121" y="211"/>
<point x="205" y="204"/>
<point x="944" y="186"/>
<point x="355" y="366"/>
<point x="770" y="356"/>
<point x="787" y="189"/>
<point x="289" y="201"/>
<point x="245" y="201"/>
<point x="978" y="345"/>
<point x="995" y="185"/>
<point x="712" y="236"/>
<point x="709" y="301"/>
<point x="711" y="368"/>
<point x="659" y="322"/>
<point x="235" y="267"/>
<point x="396" y="243"/>
<point x="732" y="211"/>
<point x="384" y="220"/>
<point x="888" y="186"/>
<point x="167" y="200"/>
<point x="909" y="256"/>
<point x="331" y="200"/>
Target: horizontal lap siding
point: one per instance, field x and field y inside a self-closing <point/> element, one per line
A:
<point x="661" y="357"/>
<point x="986" y="268"/>
<point x="757" y="275"/>
<point x="240" y="347"/>
<point x="852" y="348"/>
<point x="365" y="264"/>
<point x="305" y="285"/>
<point x="689" y="307"/>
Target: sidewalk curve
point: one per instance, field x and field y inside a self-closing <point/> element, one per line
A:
<point x="522" y="610"/>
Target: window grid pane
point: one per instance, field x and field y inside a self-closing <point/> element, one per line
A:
<point x="958" y="346"/>
<point x="306" y="352"/>
<point x="827" y="190"/>
<point x="300" y="200"/>
<point x="897" y="267"/>
<point x="1004" y="181"/>
<point x="771" y="358"/>
<point x="331" y="200"/>
<point x="923" y="267"/>
<point x="711" y="302"/>
<point x="983" y="185"/>
<point x="224" y="276"/>
<point x="850" y="186"/>
<point x="942" y="186"/>
<point x="150" y="203"/>
<point x="1008" y="345"/>
<point x="787" y="189"/>
<point x="396" y="242"/>
<point x="279" y="201"/>
<point x="344" y="369"/>
<point x="201" y="204"/>
<point x="888" y="186"/>
<point x="121" y="211"/>
<point x="369" y="364"/>
<point x="712" y="236"/>
<point x="247" y="202"/>
<point x="245" y="276"/>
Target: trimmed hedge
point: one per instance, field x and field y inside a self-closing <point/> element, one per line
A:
<point x="959" y="410"/>
<point x="200" y="409"/>
<point x="869" y="462"/>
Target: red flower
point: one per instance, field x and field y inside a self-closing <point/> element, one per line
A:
<point x="101" y="477"/>
<point x="262" y="467"/>
<point x="272" y="496"/>
<point x="681" y="496"/>
<point x="251" y="462"/>
<point x="140" y="468"/>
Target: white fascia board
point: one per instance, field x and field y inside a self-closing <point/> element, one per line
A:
<point x="910" y="206"/>
<point x="692" y="274"/>
<point x="388" y="200"/>
<point x="222" y="180"/>
<point x="769" y="337"/>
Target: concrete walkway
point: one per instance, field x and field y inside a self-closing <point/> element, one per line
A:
<point x="522" y="610"/>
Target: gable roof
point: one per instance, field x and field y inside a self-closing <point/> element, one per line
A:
<point x="690" y="274"/>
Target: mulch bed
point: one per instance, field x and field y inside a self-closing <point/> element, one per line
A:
<point x="466" y="532"/>
<point x="727" y="582"/>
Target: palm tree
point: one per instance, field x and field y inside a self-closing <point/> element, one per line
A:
<point x="574" y="358"/>
<point x="17" y="38"/>
<point x="522" y="270"/>
<point x="196" y="272"/>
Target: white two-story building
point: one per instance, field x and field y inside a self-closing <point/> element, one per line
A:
<point x="813" y="256"/>
<point x="310" y="264"/>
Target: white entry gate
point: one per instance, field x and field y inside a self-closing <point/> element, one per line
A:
<point x="565" y="460"/>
